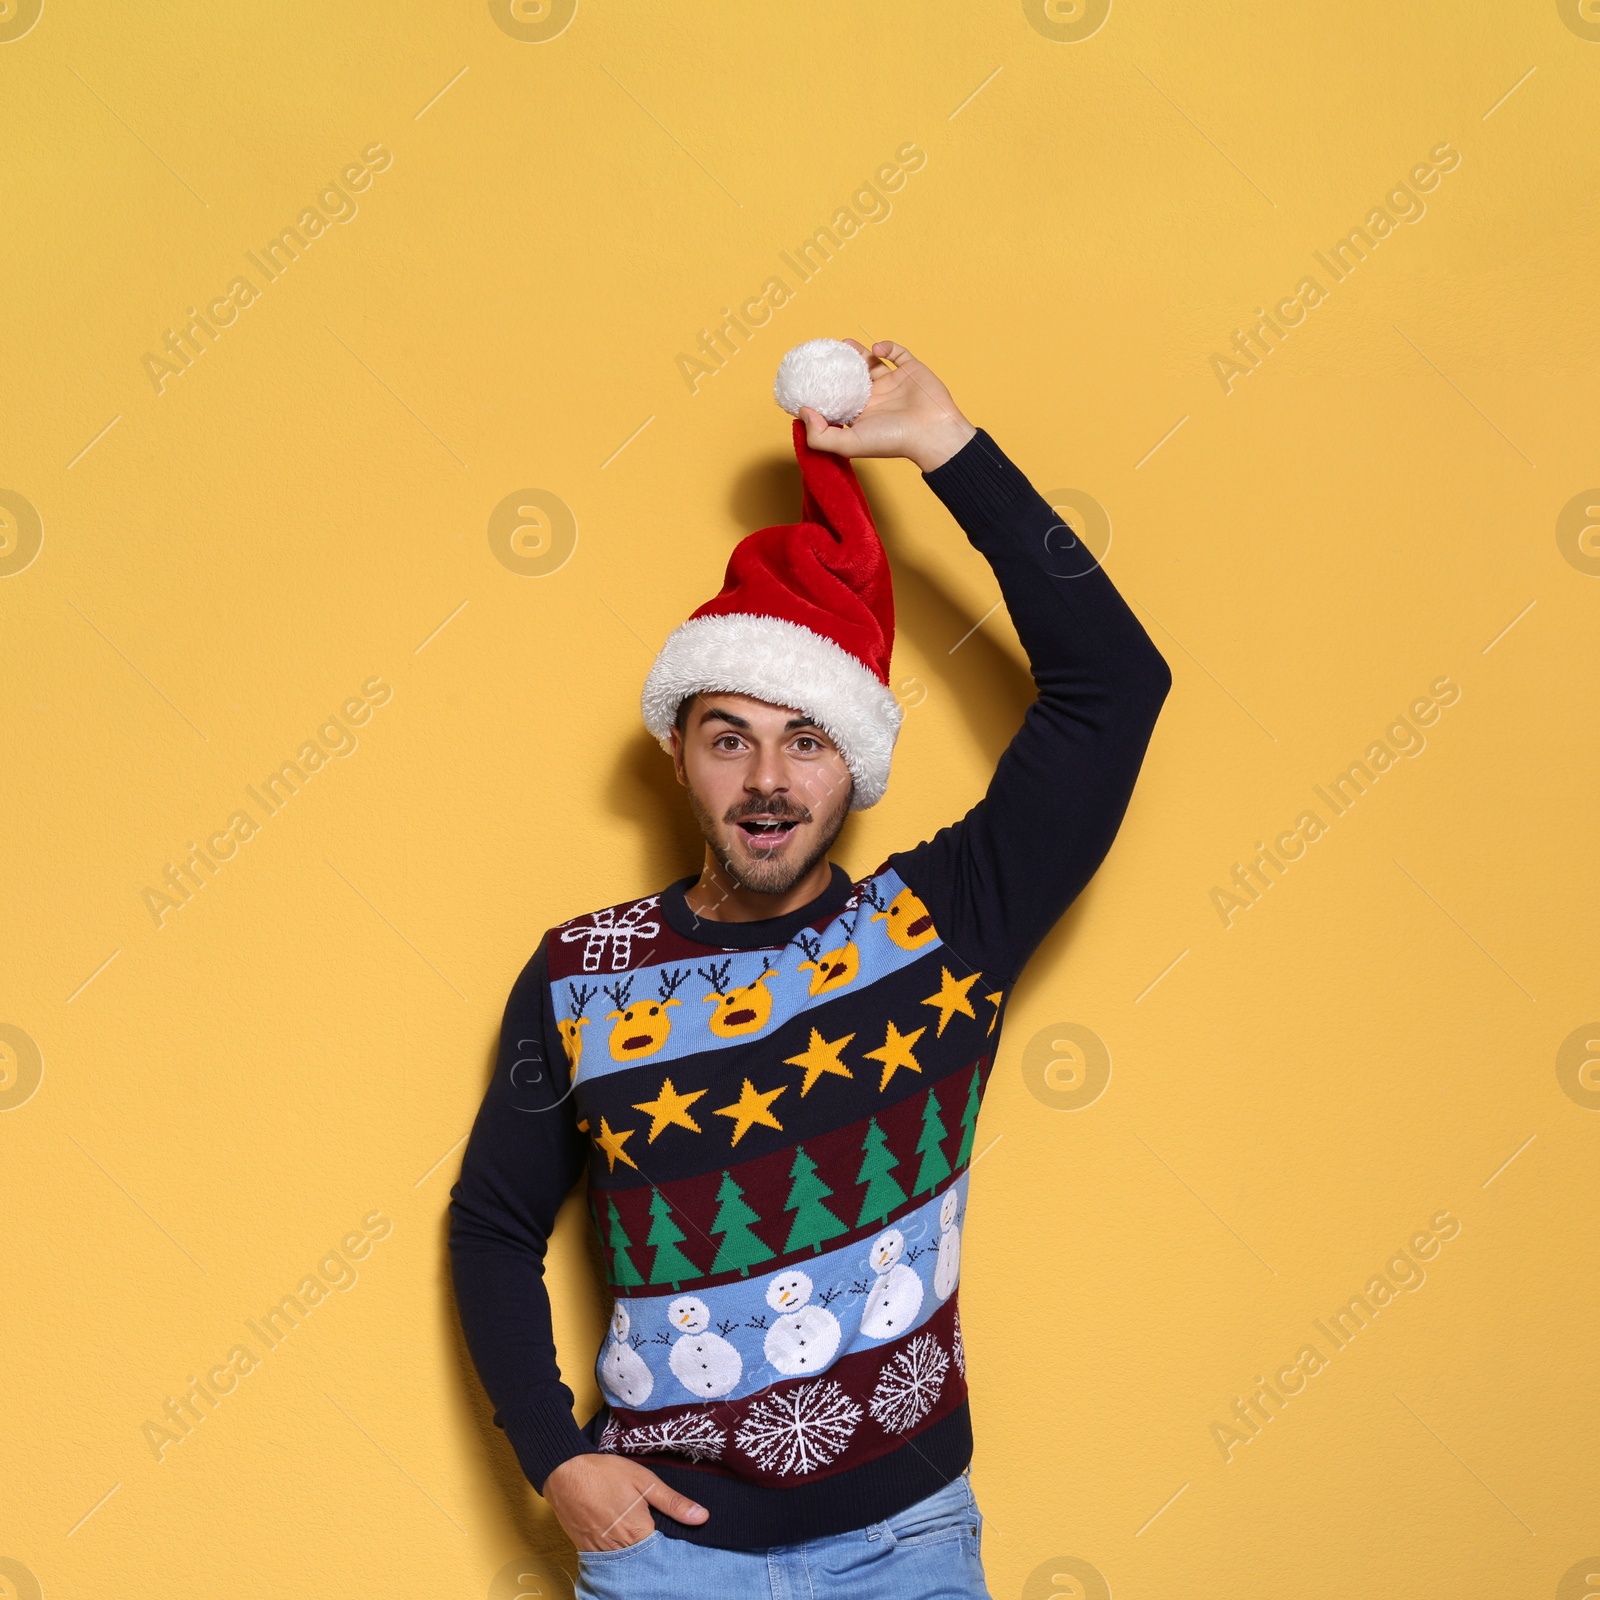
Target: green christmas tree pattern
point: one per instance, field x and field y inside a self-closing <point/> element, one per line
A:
<point x="740" y="1247"/>
<point x="969" y="1121"/>
<point x="623" y="1272"/>
<point x="877" y="1164"/>
<point x="934" y="1169"/>
<point x="813" y="1222"/>
<point x="670" y="1265"/>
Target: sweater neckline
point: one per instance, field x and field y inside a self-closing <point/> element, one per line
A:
<point x="750" y="935"/>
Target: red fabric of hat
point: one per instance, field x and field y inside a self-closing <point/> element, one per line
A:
<point x="827" y="572"/>
<point x="804" y="619"/>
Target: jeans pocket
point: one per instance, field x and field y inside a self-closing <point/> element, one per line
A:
<point x="635" y="1572"/>
<point x="949" y="1514"/>
<point x="622" y="1553"/>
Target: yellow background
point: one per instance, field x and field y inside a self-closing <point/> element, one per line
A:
<point x="227" y="1095"/>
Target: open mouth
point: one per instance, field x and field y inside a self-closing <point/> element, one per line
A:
<point x="919" y="927"/>
<point x="767" y="833"/>
<point x="637" y="1041"/>
<point x="745" y="1014"/>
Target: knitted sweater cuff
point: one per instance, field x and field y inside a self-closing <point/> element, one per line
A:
<point x="978" y="481"/>
<point x="543" y="1433"/>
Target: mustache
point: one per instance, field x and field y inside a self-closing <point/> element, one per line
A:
<point x="768" y="808"/>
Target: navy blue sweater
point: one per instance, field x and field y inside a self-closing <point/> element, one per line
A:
<point x="797" y="1157"/>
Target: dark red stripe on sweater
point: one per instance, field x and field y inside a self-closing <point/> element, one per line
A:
<point x="876" y="1395"/>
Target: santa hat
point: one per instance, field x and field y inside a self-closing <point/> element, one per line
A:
<point x="806" y="613"/>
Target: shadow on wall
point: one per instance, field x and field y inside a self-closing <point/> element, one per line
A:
<point x="645" y="791"/>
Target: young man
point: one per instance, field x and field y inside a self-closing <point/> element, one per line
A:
<point x="772" y="1074"/>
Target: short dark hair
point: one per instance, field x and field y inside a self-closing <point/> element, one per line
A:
<point x="680" y="718"/>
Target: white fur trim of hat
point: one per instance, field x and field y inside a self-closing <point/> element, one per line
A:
<point x="785" y="664"/>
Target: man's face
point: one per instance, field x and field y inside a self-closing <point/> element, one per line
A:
<point x="768" y="787"/>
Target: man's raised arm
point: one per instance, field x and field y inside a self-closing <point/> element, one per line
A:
<point x="997" y="881"/>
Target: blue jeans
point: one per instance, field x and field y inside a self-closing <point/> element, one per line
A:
<point x="930" y="1551"/>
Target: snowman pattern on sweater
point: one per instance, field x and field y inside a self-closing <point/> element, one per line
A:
<point x="703" y="1362"/>
<point x="623" y="1373"/>
<point x="805" y="1338"/>
<point x="948" y="1271"/>
<point x="802" y="1424"/>
<point x="896" y="1297"/>
<point x="732" y="1340"/>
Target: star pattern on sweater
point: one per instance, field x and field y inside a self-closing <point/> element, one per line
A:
<point x="895" y="1052"/>
<point x="611" y="1140"/>
<point x="820" y="1056"/>
<point x="952" y="997"/>
<point x="994" y="1000"/>
<point x="670" y="1109"/>
<point x="753" y="1106"/>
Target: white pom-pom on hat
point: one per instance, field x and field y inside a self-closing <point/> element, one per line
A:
<point x="826" y="374"/>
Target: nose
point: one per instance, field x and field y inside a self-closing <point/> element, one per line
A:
<point x="768" y="775"/>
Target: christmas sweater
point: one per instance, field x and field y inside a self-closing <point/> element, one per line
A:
<point x="777" y="1120"/>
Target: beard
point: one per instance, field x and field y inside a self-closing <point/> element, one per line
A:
<point x="762" y="874"/>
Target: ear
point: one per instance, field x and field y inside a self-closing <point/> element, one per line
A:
<point x="612" y="1016"/>
<point x="677" y="755"/>
<point x="666" y="1003"/>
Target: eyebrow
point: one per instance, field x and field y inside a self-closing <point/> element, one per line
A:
<point x="715" y="712"/>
